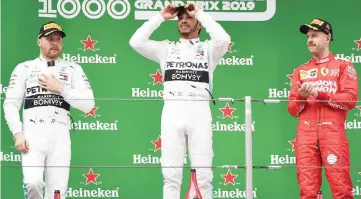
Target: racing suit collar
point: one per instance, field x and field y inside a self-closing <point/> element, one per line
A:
<point x="48" y="62"/>
<point x="191" y="41"/>
<point x="329" y="57"/>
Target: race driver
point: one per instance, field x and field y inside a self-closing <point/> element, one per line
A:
<point x="321" y="138"/>
<point x="48" y="84"/>
<point x="187" y="66"/>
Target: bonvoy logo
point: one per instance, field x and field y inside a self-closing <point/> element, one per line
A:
<point x="117" y="9"/>
<point x="225" y="10"/>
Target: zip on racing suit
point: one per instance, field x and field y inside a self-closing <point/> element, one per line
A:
<point x="46" y="121"/>
<point x="187" y="66"/>
<point x="321" y="138"/>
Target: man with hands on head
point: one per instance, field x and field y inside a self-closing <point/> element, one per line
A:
<point x="323" y="91"/>
<point x="50" y="86"/>
<point x="187" y="66"/>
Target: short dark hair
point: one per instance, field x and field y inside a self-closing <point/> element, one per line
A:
<point x="181" y="10"/>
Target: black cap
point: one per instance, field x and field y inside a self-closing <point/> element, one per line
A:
<point x="50" y="27"/>
<point x="181" y="10"/>
<point x="318" y="24"/>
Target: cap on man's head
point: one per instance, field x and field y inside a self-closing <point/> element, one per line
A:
<point x="50" y="27"/>
<point x="181" y="10"/>
<point x="319" y="25"/>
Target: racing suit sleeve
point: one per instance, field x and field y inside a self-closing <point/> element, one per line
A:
<point x="346" y="98"/>
<point x="141" y="43"/>
<point x="295" y="107"/>
<point x="220" y="39"/>
<point x="14" y="99"/>
<point x="80" y="95"/>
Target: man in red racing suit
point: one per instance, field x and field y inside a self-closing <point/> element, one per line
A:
<point x="321" y="138"/>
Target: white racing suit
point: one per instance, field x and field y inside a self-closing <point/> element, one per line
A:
<point x="46" y="122"/>
<point x="187" y="67"/>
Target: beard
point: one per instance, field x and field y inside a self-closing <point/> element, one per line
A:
<point x="53" y="53"/>
<point x="187" y="31"/>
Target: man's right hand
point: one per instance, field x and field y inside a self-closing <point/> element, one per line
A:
<point x="20" y="143"/>
<point x="169" y="12"/>
<point x="305" y="90"/>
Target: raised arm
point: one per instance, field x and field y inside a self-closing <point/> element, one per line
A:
<point x="345" y="99"/>
<point x="80" y="95"/>
<point x="14" y="99"/>
<point x="220" y="39"/>
<point x="141" y="43"/>
<point x="294" y="107"/>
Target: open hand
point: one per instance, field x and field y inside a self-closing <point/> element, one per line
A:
<point x="169" y="12"/>
<point x="50" y="83"/>
<point x="192" y="9"/>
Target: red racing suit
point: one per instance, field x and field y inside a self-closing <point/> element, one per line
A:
<point x="321" y="138"/>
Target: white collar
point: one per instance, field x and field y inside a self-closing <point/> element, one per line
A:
<point x="45" y="60"/>
<point x="48" y="62"/>
<point x="191" y="41"/>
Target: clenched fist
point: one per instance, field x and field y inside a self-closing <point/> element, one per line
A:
<point x="21" y="143"/>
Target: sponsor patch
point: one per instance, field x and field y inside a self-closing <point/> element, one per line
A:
<point x="308" y="74"/>
<point x="351" y="72"/>
<point x="331" y="159"/>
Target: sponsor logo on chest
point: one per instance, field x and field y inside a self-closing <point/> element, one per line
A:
<point x="187" y="64"/>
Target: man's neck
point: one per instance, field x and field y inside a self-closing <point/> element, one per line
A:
<point x="322" y="54"/>
<point x="48" y="58"/>
<point x="189" y="36"/>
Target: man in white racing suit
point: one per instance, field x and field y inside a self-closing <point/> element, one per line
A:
<point x="48" y="84"/>
<point x="187" y="66"/>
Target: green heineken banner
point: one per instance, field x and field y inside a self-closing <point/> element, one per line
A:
<point x="118" y="135"/>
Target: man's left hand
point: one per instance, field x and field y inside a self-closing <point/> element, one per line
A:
<point x="192" y="9"/>
<point x="50" y="83"/>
